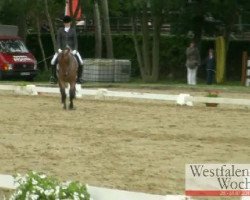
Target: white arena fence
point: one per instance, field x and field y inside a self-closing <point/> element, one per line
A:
<point x="181" y="99"/>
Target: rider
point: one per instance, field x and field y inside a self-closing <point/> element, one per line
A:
<point x="66" y="36"/>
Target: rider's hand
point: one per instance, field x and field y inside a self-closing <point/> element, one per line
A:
<point x="74" y="52"/>
<point x="59" y="50"/>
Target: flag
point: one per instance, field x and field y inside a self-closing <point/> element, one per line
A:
<point x="74" y="4"/>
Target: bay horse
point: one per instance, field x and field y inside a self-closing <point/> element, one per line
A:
<point x="67" y="73"/>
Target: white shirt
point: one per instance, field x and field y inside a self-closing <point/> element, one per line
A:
<point x="66" y="29"/>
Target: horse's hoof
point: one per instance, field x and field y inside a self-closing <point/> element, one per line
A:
<point x="71" y="108"/>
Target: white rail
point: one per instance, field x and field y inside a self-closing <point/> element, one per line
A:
<point x="182" y="99"/>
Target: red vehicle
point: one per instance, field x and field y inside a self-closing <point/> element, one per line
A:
<point x="15" y="58"/>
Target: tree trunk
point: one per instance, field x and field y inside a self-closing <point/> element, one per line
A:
<point x="40" y="43"/>
<point x="108" y="37"/>
<point x="138" y="49"/>
<point x="145" y="43"/>
<point x="147" y="68"/>
<point x="98" y="30"/>
<point x="51" y="28"/>
<point x="156" y="48"/>
<point x="198" y="22"/>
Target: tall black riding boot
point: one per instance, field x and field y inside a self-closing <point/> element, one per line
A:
<point x="79" y="74"/>
<point x="53" y="78"/>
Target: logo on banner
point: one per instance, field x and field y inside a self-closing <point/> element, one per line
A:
<point x="217" y="180"/>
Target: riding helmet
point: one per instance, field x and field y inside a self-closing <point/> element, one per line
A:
<point x="66" y="19"/>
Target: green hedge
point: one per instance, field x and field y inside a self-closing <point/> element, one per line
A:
<point x="172" y="54"/>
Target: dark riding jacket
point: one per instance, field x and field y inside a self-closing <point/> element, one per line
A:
<point x="193" y="58"/>
<point x="67" y="39"/>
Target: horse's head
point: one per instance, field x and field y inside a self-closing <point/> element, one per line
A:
<point x="64" y="56"/>
<point x="67" y="50"/>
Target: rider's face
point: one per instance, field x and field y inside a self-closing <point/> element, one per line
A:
<point x="67" y="24"/>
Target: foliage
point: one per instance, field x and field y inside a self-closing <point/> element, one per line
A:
<point x="172" y="62"/>
<point x="203" y="17"/>
<point x="35" y="186"/>
<point x="172" y="54"/>
<point x="212" y="93"/>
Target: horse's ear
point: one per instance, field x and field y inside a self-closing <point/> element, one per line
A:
<point x="67" y="50"/>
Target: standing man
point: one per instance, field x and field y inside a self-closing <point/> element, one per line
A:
<point x="66" y="36"/>
<point x="192" y="63"/>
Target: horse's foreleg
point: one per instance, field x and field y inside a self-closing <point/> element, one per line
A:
<point x="63" y="96"/>
<point x="72" y="94"/>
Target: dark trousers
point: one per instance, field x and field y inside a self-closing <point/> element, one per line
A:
<point x="210" y="76"/>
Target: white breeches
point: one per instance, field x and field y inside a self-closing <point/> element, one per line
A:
<point x="191" y="76"/>
<point x="53" y="61"/>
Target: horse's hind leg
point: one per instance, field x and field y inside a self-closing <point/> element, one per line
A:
<point x="63" y="96"/>
<point x="72" y="93"/>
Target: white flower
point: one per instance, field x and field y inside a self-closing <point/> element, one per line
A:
<point x="82" y="195"/>
<point x="48" y="192"/>
<point x="43" y="176"/>
<point x="19" y="192"/>
<point x="34" y="173"/>
<point x="57" y="191"/>
<point x="27" y="195"/>
<point x="34" y="197"/>
<point x="40" y="189"/>
<point x="76" y="196"/>
<point x="64" y="187"/>
<point x="34" y="182"/>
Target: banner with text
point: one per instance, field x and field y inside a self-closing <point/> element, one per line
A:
<point x="217" y="180"/>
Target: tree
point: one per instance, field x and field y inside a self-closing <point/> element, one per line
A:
<point x="51" y="27"/>
<point x="147" y="12"/>
<point x="15" y="12"/>
<point x="98" y="30"/>
<point x="213" y="17"/>
<point x="107" y="31"/>
<point x="100" y="13"/>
